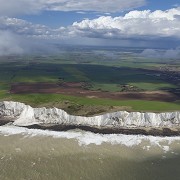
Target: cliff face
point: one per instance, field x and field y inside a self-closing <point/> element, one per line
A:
<point x="24" y="115"/>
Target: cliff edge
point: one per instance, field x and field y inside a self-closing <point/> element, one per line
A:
<point x="166" y="124"/>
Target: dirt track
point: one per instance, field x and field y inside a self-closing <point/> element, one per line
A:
<point x="75" y="89"/>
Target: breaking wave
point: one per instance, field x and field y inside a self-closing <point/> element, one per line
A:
<point x="87" y="138"/>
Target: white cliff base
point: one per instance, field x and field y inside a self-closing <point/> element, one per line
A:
<point x="25" y="115"/>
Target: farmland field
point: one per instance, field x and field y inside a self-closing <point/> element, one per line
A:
<point x="87" y="81"/>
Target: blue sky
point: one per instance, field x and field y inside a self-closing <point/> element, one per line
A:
<point x="140" y="23"/>
<point x="56" y="18"/>
<point x="160" y="4"/>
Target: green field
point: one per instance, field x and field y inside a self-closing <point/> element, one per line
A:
<point x="74" y="103"/>
<point x="100" y="72"/>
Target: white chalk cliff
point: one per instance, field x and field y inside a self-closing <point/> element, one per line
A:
<point x="25" y="115"/>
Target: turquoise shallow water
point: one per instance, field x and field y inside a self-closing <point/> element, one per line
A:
<point x="36" y="156"/>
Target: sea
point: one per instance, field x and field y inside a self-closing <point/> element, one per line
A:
<point x="31" y="154"/>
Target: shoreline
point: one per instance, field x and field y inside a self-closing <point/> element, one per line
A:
<point x="104" y="130"/>
<point x="121" y="122"/>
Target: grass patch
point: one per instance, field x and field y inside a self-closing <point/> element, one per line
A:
<point x="136" y="105"/>
<point x="153" y="86"/>
<point x="105" y="87"/>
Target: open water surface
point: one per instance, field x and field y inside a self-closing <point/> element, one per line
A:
<point x="44" y="155"/>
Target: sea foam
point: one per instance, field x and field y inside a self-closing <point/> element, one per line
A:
<point x="87" y="138"/>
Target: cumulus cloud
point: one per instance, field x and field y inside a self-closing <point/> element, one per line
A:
<point x="163" y="54"/>
<point x="16" y="7"/>
<point x="94" y="5"/>
<point x="18" y="36"/>
<point x="158" y="14"/>
<point x="135" y="24"/>
<point x="9" y="44"/>
<point x="12" y="44"/>
<point x="28" y="29"/>
<point x="13" y="7"/>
